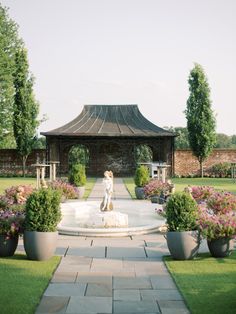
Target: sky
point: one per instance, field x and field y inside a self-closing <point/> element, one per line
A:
<point x="128" y="52"/>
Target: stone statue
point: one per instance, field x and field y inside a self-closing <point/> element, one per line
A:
<point x="20" y="195"/>
<point x="106" y="204"/>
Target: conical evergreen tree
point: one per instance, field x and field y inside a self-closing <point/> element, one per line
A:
<point x="201" y="121"/>
<point x="25" y="109"/>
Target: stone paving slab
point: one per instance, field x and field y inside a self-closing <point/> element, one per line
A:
<point x="64" y="277"/>
<point x="170" y="307"/>
<point x="89" y="251"/>
<point x="107" y="265"/>
<point x="135" y="307"/>
<point x="51" y="304"/>
<point x="121" y="252"/>
<point x="99" y="290"/>
<point x="89" y="305"/>
<point x="76" y="260"/>
<point x="162" y="282"/>
<point x="131" y="283"/>
<point x="166" y="295"/>
<point x="73" y="243"/>
<point x="95" y="277"/>
<point x="61" y="251"/>
<point x="127" y="295"/>
<point x="65" y="289"/>
<point x="156" y="252"/>
<point x="118" y="242"/>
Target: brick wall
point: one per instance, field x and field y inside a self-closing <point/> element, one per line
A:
<point x="187" y="164"/>
<point x="10" y="161"/>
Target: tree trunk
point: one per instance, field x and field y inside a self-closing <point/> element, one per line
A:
<point x="24" y="158"/>
<point x="201" y="167"/>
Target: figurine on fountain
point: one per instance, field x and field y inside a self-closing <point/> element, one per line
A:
<point x="106" y="204"/>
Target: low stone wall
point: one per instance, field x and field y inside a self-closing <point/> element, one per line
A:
<point x="11" y="163"/>
<point x="186" y="164"/>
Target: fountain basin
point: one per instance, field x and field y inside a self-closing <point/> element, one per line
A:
<point x="79" y="218"/>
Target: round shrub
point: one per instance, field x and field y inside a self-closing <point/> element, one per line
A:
<point x="43" y="211"/>
<point x="181" y="212"/>
<point x="77" y="175"/>
<point x="141" y="176"/>
<point x="222" y="169"/>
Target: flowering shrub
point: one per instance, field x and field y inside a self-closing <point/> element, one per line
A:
<point x="156" y="187"/>
<point x="222" y="202"/>
<point x="15" y="197"/>
<point x="68" y="190"/>
<point x="216" y="226"/>
<point x="222" y="169"/>
<point x="161" y="211"/>
<point x="201" y="193"/>
<point x="11" y="223"/>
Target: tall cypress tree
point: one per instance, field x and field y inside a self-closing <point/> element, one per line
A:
<point x="9" y="43"/>
<point x="25" y="109"/>
<point x="201" y="121"/>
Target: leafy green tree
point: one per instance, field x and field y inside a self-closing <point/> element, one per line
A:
<point x="9" y="43"/>
<point x="201" y="121"/>
<point x="223" y="141"/>
<point x="78" y="154"/>
<point x="181" y="141"/>
<point x="143" y="153"/>
<point x="233" y="140"/>
<point x="39" y="143"/>
<point x="25" y="109"/>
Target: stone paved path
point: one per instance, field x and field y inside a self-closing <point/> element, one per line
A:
<point x="112" y="275"/>
<point x="120" y="191"/>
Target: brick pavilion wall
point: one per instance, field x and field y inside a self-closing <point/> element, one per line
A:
<point x="186" y="164"/>
<point x="10" y="161"/>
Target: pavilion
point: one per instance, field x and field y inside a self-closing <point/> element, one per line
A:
<point x="111" y="133"/>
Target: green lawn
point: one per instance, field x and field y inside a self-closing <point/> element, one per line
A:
<point x="129" y="183"/>
<point x="219" y="183"/>
<point x="88" y="187"/>
<point x="23" y="283"/>
<point x="207" y="284"/>
<point x="226" y="184"/>
<point x="8" y="182"/>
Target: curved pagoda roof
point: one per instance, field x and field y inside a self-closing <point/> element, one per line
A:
<point x="109" y="120"/>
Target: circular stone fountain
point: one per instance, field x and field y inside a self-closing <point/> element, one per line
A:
<point x="128" y="218"/>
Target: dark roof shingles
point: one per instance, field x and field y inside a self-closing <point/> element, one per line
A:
<point x="115" y="120"/>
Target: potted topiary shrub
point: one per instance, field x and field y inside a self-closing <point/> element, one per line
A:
<point x="77" y="177"/>
<point x="141" y="178"/>
<point x="181" y="212"/>
<point x="40" y="227"/>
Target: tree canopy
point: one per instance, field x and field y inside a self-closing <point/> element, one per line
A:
<point x="201" y="121"/>
<point x="25" y="108"/>
<point x="9" y="43"/>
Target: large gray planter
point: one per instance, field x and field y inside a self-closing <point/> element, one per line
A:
<point x="40" y="246"/>
<point x="139" y="192"/>
<point x="81" y="191"/>
<point x="183" y="245"/>
<point x="8" y="245"/>
<point x="221" y="247"/>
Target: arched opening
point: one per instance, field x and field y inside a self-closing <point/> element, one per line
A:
<point x="111" y="157"/>
<point x="143" y="153"/>
<point x="78" y="154"/>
